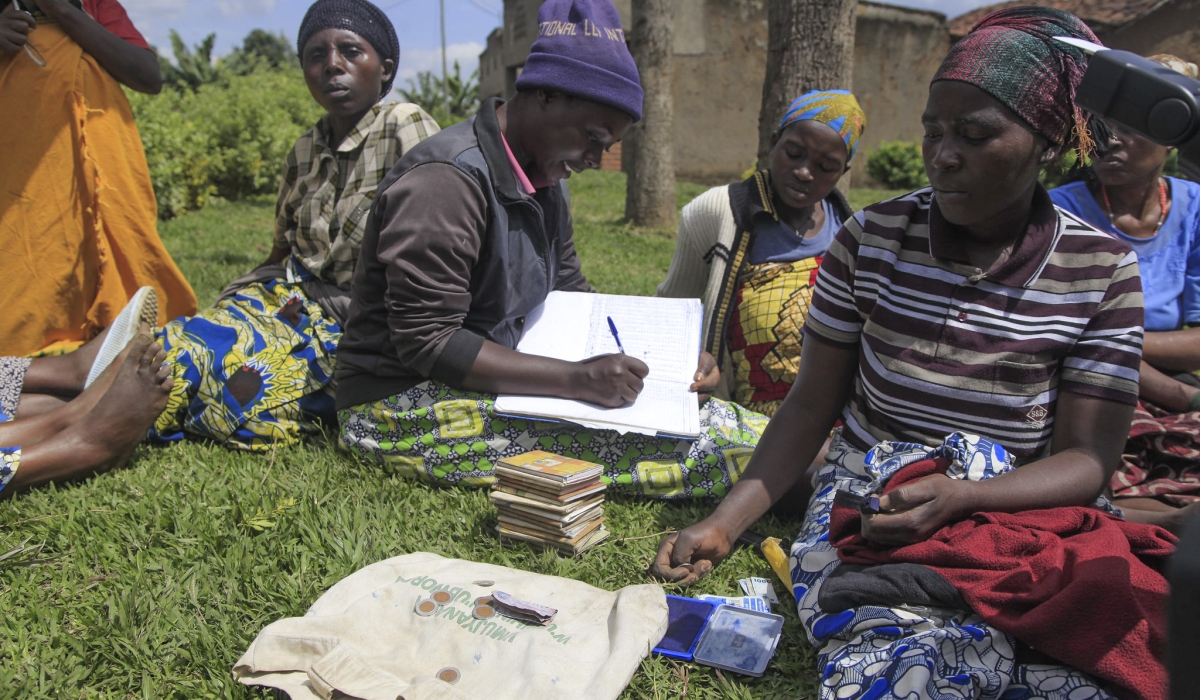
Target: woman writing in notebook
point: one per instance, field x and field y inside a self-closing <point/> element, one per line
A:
<point x="470" y="233"/>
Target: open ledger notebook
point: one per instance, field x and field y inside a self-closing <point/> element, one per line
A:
<point x="663" y="333"/>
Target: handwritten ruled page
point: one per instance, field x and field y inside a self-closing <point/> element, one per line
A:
<point x="663" y="333"/>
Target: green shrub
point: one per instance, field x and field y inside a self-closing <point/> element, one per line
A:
<point x="177" y="151"/>
<point x="228" y="138"/>
<point x="253" y="122"/>
<point x="1063" y="170"/>
<point x="898" y="165"/>
<point x="1067" y="169"/>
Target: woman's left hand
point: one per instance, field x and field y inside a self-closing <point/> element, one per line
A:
<point x="915" y="511"/>
<point x="707" y="376"/>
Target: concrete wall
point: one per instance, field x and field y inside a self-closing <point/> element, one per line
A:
<point x="718" y="89"/>
<point x="1174" y="29"/>
<point x="720" y="61"/>
<point x="491" y="65"/>
<point x="896" y="53"/>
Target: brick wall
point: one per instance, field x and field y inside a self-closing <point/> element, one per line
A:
<point x="612" y="158"/>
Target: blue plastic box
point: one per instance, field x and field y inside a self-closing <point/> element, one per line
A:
<point x="739" y="640"/>
<point x="687" y="618"/>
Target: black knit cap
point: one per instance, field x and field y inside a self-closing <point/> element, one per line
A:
<point x="360" y="17"/>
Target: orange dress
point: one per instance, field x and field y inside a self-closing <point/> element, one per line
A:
<point x="78" y="219"/>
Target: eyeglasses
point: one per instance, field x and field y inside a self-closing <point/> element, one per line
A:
<point x="30" y="48"/>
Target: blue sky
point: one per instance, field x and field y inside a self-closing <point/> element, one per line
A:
<point x="468" y="23"/>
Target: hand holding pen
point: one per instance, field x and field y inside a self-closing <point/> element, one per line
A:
<point x="612" y="380"/>
<point x="612" y="327"/>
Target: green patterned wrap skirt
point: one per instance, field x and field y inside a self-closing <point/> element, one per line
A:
<point x="451" y="437"/>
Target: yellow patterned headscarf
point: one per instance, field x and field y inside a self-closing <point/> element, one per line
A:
<point x="837" y="108"/>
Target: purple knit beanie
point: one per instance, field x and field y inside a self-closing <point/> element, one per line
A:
<point x="580" y="50"/>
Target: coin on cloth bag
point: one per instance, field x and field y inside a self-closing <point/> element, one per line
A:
<point x="426" y="607"/>
<point x="449" y="674"/>
<point x="441" y="597"/>
<point x="483" y="600"/>
<point x="484" y="612"/>
<point x="485" y="583"/>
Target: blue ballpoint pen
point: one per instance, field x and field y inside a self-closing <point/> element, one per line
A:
<point x="613" y="327"/>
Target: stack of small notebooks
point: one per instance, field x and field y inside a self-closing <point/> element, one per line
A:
<point x="551" y="501"/>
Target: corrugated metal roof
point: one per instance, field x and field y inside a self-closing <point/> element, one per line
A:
<point x="1098" y="14"/>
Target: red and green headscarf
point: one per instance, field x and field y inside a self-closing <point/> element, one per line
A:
<point x="1012" y="55"/>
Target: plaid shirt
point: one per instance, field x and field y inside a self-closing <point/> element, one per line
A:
<point x="325" y="194"/>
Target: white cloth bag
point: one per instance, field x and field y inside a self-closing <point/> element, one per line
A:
<point x="362" y="639"/>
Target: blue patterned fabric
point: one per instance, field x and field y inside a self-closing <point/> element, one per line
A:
<point x="877" y="653"/>
<point x="10" y="458"/>
<point x="253" y="370"/>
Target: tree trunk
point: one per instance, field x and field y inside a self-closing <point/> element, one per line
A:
<point x="649" y="146"/>
<point x="810" y="47"/>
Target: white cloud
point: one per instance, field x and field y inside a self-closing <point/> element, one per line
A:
<point x="149" y="10"/>
<point x="413" y="61"/>
<point x="236" y="8"/>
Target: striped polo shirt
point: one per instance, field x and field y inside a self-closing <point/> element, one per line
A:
<point x="945" y="347"/>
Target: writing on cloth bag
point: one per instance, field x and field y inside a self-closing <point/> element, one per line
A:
<point x="364" y="639"/>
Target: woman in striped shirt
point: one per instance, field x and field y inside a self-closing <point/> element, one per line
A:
<point x="971" y="307"/>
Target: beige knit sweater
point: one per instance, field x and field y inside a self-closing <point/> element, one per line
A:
<point x="706" y="234"/>
<point x="708" y="244"/>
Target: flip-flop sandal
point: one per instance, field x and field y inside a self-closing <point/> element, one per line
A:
<point x="142" y="308"/>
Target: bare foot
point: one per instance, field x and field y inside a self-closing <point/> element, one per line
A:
<point x="62" y="375"/>
<point x="105" y="380"/>
<point x="136" y="397"/>
<point x="86" y="355"/>
<point x="51" y="414"/>
<point x="107" y="434"/>
<point x="1170" y="519"/>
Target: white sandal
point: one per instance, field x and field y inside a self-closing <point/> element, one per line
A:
<point x="142" y="308"/>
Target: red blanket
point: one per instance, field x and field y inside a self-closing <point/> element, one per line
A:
<point x="1075" y="583"/>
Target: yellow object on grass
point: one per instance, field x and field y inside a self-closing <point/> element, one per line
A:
<point x="78" y="219"/>
<point x="778" y="559"/>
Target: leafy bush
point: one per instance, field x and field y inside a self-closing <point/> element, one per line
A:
<point x="228" y="138"/>
<point x="177" y="150"/>
<point x="252" y="122"/>
<point x="898" y="165"/>
<point x="1068" y="169"/>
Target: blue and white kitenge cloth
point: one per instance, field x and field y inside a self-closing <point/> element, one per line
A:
<point x="879" y="653"/>
<point x="10" y="458"/>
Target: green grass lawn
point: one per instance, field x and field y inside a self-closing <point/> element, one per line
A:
<point x="151" y="581"/>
